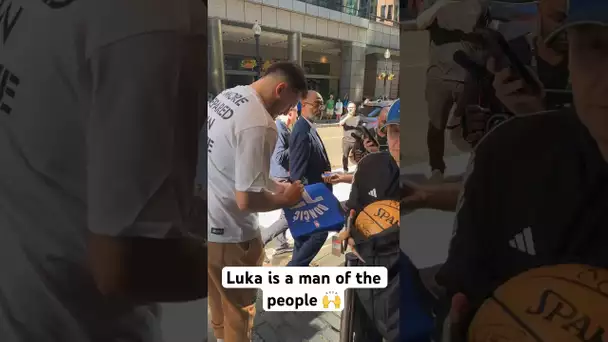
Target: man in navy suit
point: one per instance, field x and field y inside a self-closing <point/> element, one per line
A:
<point x="308" y="160"/>
<point x="279" y="171"/>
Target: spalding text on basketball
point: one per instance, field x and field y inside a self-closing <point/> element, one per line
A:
<point x="386" y="216"/>
<point x="555" y="308"/>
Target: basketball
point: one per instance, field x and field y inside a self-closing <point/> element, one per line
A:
<point x="377" y="217"/>
<point x="562" y="303"/>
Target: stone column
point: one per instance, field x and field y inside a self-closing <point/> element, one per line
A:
<point x="217" y="76"/>
<point x="353" y="70"/>
<point x="294" y="47"/>
<point x="394" y="84"/>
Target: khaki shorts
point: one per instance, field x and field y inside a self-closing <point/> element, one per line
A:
<point x="232" y="310"/>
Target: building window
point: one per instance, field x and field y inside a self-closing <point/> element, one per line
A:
<point x="397" y="12"/>
<point x="389" y="15"/>
<point x="383" y="11"/>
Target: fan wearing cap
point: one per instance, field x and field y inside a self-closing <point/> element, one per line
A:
<point x="376" y="183"/>
<point x="393" y="144"/>
<point x="537" y="193"/>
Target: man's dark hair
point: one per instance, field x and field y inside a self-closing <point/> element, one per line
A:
<point x="293" y="72"/>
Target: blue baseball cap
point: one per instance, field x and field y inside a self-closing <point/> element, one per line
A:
<point x="394" y="114"/>
<point x="583" y="12"/>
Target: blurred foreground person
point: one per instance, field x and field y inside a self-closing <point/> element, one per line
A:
<point x="99" y="126"/>
<point x="539" y="214"/>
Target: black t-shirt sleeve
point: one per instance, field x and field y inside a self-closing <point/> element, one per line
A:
<point x="353" y="201"/>
<point x="465" y="270"/>
<point x="376" y="178"/>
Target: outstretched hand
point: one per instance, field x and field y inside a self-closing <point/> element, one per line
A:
<point x="413" y="197"/>
<point x="331" y="178"/>
<point x="335" y="178"/>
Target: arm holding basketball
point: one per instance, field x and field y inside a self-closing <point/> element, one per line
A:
<point x="339" y="178"/>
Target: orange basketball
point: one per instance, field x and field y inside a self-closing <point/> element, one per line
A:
<point x="377" y="217"/>
<point x="562" y="303"/>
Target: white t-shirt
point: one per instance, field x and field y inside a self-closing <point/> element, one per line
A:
<point x="339" y="106"/>
<point x="91" y="119"/>
<point x="455" y="15"/>
<point x="241" y="139"/>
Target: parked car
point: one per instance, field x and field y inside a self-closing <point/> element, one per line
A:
<point x="370" y="111"/>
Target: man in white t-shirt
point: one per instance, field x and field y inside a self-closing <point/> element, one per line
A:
<point x="241" y="139"/>
<point x="99" y="119"/>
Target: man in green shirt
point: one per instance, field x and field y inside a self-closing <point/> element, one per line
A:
<point x="329" y="106"/>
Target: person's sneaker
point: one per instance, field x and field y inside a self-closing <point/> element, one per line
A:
<point x="286" y="248"/>
<point x="436" y="177"/>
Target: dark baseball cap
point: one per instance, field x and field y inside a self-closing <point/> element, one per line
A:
<point x="582" y="12"/>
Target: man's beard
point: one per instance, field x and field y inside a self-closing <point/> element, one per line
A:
<point x="313" y="117"/>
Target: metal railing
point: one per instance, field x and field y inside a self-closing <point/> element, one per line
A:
<point x="337" y="5"/>
<point x="355" y="9"/>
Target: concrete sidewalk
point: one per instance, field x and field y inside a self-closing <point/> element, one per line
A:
<point x="295" y="326"/>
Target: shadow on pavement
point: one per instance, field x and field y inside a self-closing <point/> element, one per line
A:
<point x="292" y="326"/>
<point x="295" y="326"/>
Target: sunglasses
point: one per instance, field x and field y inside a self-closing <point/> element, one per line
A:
<point x="313" y="104"/>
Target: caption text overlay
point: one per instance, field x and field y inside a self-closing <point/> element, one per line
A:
<point x="304" y="288"/>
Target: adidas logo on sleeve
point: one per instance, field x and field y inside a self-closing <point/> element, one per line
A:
<point x="524" y="242"/>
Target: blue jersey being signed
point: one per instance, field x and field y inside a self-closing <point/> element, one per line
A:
<point x="318" y="211"/>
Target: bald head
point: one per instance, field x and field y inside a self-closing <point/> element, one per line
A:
<point x="312" y="104"/>
<point x="313" y="96"/>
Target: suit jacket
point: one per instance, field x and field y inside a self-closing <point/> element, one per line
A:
<point x="307" y="155"/>
<point x="279" y="164"/>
